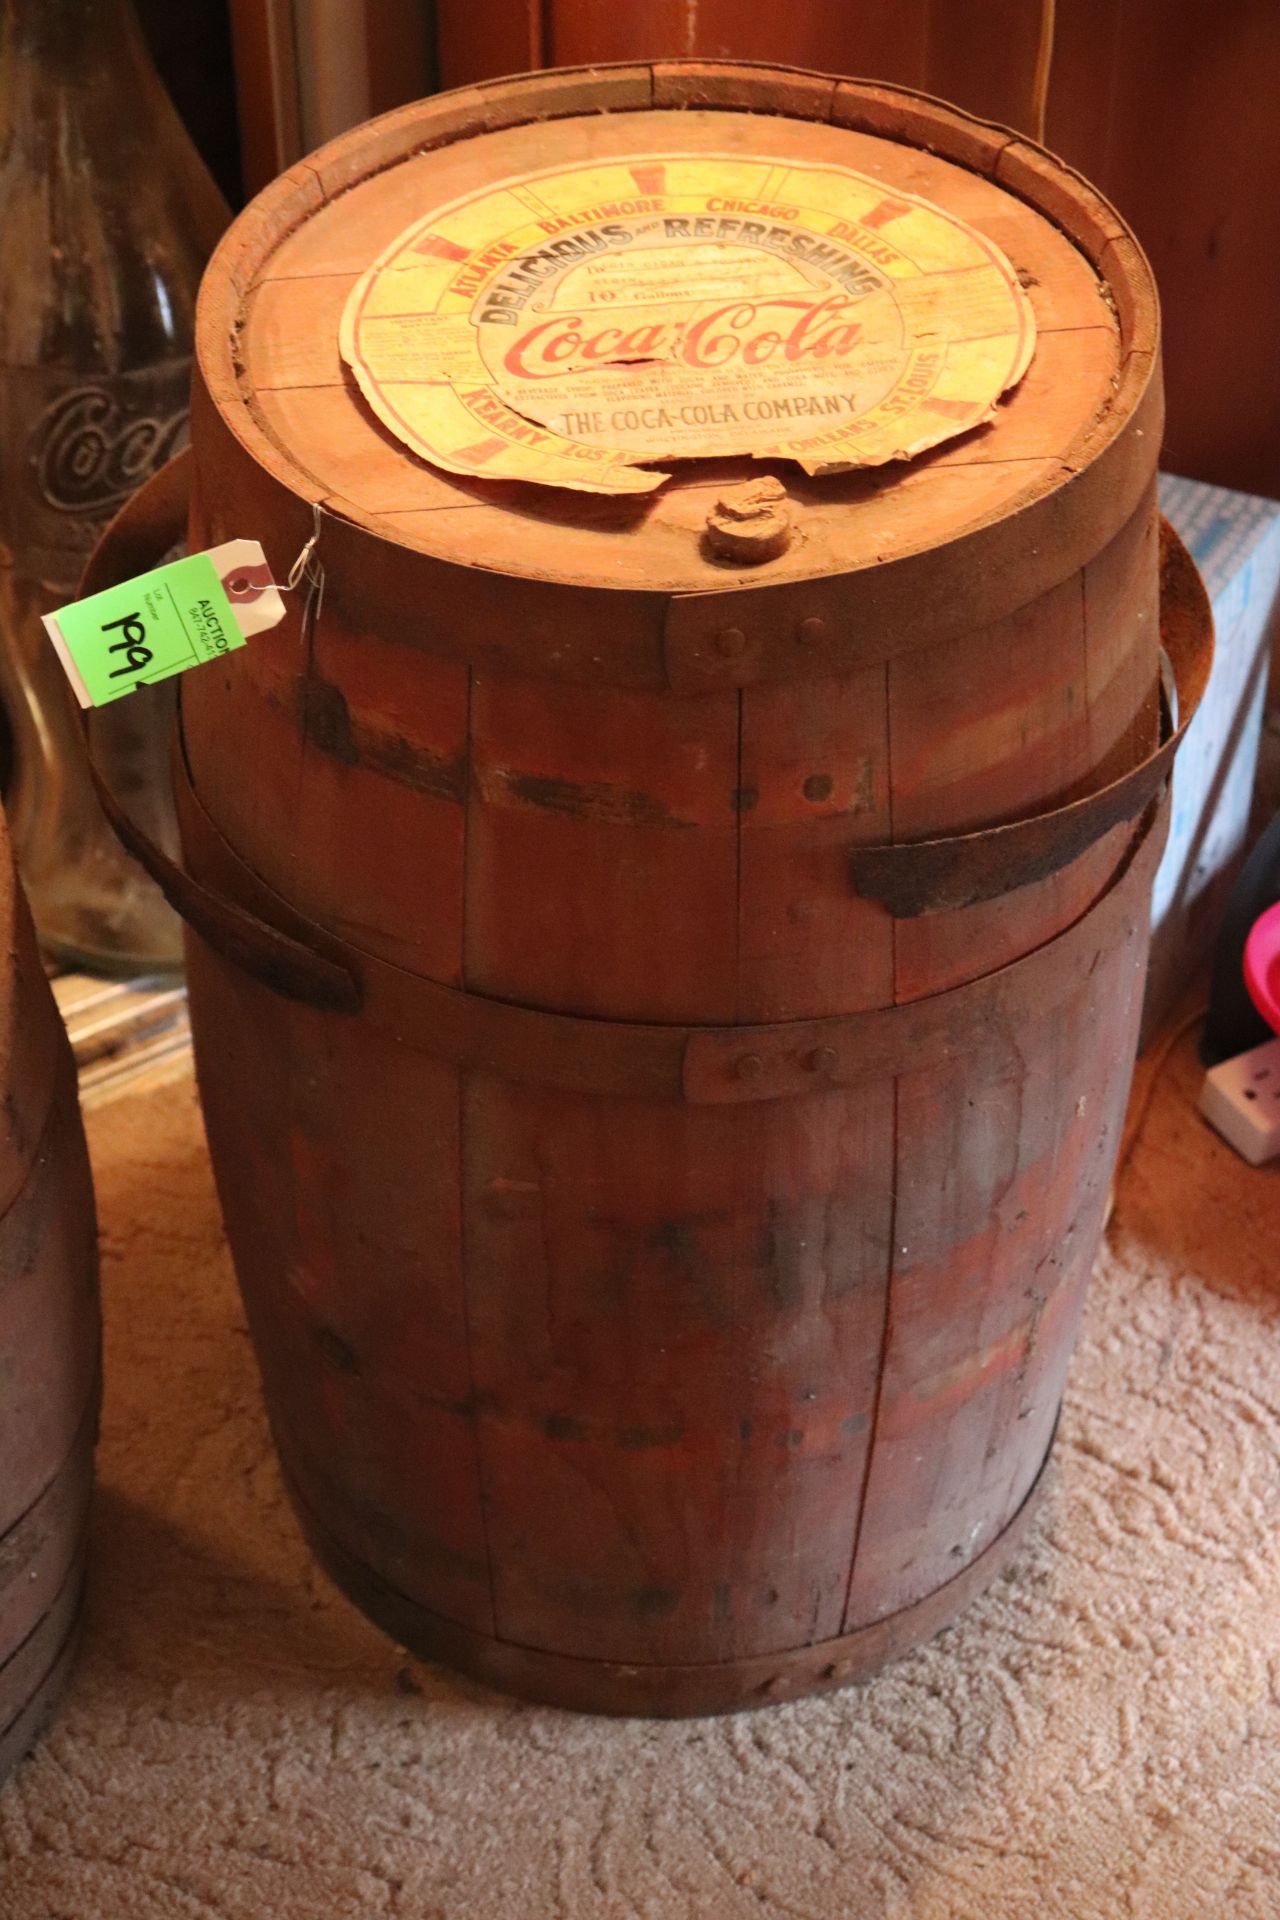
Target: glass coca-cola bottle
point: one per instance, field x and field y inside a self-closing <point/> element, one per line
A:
<point x="107" y="216"/>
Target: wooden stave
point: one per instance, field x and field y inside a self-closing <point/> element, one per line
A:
<point x="49" y="1316"/>
<point x="47" y="1231"/>
<point x="689" y="1691"/>
<point x="35" y="1673"/>
<point x="652" y="644"/>
<point x="33" y="1046"/>
<point x="312" y="754"/>
<point x="698" y="1063"/>
<point x="24" y="1733"/>
<point x="438" y="1555"/>
<point x="495" y="626"/>
<point x="1110" y="470"/>
<point x="38" y="1550"/>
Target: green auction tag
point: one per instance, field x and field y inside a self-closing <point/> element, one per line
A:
<point x="149" y="628"/>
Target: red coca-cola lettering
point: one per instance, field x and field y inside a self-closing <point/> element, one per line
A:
<point x="751" y="331"/>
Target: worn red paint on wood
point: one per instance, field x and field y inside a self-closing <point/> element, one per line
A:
<point x="638" y="1361"/>
<point x="50" y="1342"/>
<point x="599" y="823"/>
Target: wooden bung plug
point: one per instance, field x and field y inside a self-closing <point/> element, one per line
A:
<point x="751" y="522"/>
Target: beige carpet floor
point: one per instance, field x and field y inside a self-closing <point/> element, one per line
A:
<point x="1099" y="1738"/>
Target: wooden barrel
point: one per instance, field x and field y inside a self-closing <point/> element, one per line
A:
<point x="49" y="1337"/>
<point x="662" y="1024"/>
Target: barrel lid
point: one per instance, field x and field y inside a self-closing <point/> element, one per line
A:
<point x="591" y="324"/>
<point x="272" y="308"/>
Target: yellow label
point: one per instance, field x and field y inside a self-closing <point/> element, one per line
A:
<point x="575" y="326"/>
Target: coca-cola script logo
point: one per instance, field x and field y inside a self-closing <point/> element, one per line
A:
<point x="753" y="332"/>
<point x="89" y="454"/>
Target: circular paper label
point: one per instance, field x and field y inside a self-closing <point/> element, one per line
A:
<point x="574" y="326"/>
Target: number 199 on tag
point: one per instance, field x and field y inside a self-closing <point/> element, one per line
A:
<point x="147" y="629"/>
<point x="132" y="644"/>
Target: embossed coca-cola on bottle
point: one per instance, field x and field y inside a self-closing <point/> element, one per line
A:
<point x="107" y="216"/>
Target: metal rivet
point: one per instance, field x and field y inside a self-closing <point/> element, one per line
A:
<point x="810" y="631"/>
<point x="731" y="642"/>
<point x="822" y="1060"/>
<point x="748" y="1066"/>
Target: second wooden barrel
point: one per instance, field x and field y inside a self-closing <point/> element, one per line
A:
<point x="663" y="1023"/>
<point x="49" y="1337"/>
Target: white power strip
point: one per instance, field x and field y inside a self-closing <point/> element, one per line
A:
<point x="1241" y="1098"/>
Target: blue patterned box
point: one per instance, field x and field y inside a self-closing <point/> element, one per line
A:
<point x="1234" y="539"/>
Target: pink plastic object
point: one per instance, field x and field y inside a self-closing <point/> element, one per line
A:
<point x="1262" y="966"/>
